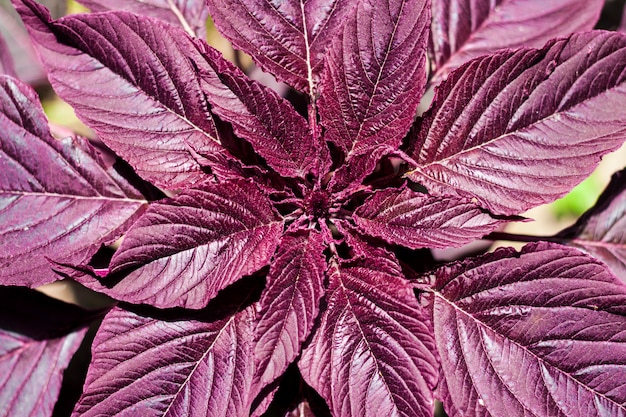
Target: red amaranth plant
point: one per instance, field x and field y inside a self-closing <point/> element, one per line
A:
<point x="292" y="250"/>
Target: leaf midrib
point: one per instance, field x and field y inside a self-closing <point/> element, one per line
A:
<point x="480" y="324"/>
<point x="71" y="196"/>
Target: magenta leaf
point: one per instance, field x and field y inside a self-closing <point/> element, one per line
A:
<point x="132" y="80"/>
<point x="374" y="75"/>
<point x="539" y="333"/>
<point x="288" y="39"/>
<point x="349" y="177"/>
<point x="290" y="303"/>
<point x="38" y="337"/>
<point x="601" y="231"/>
<point x="33" y="370"/>
<point x="465" y="29"/>
<point x="264" y="402"/>
<point x="190" y="14"/>
<point x="22" y="55"/>
<point x="521" y="128"/>
<point x="57" y="199"/>
<point x="416" y="220"/>
<point x="183" y="251"/>
<point x="143" y="366"/>
<point x="373" y="352"/>
<point x="6" y="59"/>
<point x="270" y="123"/>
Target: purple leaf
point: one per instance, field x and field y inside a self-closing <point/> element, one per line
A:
<point x="417" y="220"/>
<point x="189" y="367"/>
<point x="22" y="55"/>
<point x="33" y="371"/>
<point x="265" y="401"/>
<point x="57" y="199"/>
<point x="290" y="303"/>
<point x="349" y="177"/>
<point x="521" y="128"/>
<point x="372" y="354"/>
<point x="374" y="75"/>
<point x="271" y="125"/>
<point x="557" y="315"/>
<point x="6" y="60"/>
<point x="38" y="337"/>
<point x="465" y="29"/>
<point x="288" y="39"/>
<point x="131" y="79"/>
<point x="601" y="231"/>
<point x="190" y="14"/>
<point x="182" y="251"/>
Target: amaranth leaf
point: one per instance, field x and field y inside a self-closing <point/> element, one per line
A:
<point x="601" y="231"/>
<point x="258" y="114"/>
<point x="288" y="39"/>
<point x="416" y="220"/>
<point x="57" y="198"/>
<point x="541" y="332"/>
<point x="521" y="128"/>
<point x="373" y="352"/>
<point x="38" y="337"/>
<point x="132" y="80"/>
<point x="183" y="251"/>
<point x="374" y="75"/>
<point x="465" y="29"/>
<point x="290" y="303"/>
<point x="189" y="367"/>
<point x="190" y="14"/>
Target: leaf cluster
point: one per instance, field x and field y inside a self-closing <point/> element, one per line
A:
<point x="276" y="261"/>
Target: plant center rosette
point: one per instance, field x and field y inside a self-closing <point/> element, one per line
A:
<point x="293" y="245"/>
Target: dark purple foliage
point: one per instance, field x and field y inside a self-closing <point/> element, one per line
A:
<point x="38" y="337"/>
<point x="465" y="29"/>
<point x="190" y="14"/>
<point x="57" y="197"/>
<point x="502" y="118"/>
<point x="287" y="272"/>
<point x="550" y="337"/>
<point x="149" y="367"/>
<point x="17" y="55"/>
<point x="602" y="230"/>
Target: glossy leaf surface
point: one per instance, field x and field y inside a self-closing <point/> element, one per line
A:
<point x="270" y="123"/>
<point x="306" y="198"/>
<point x="372" y="354"/>
<point x="190" y="14"/>
<point x="131" y="79"/>
<point x="290" y="303"/>
<point x="555" y="312"/>
<point x="57" y="199"/>
<point x="374" y="75"/>
<point x="288" y="39"/>
<point x="149" y="367"/>
<point x="38" y="337"/>
<point x="465" y="29"/>
<point x="33" y="371"/>
<point x="182" y="251"/>
<point x="601" y="231"/>
<point x="521" y="128"/>
<point x="417" y="220"/>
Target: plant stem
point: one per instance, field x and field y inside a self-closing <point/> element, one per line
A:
<point x="524" y="238"/>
